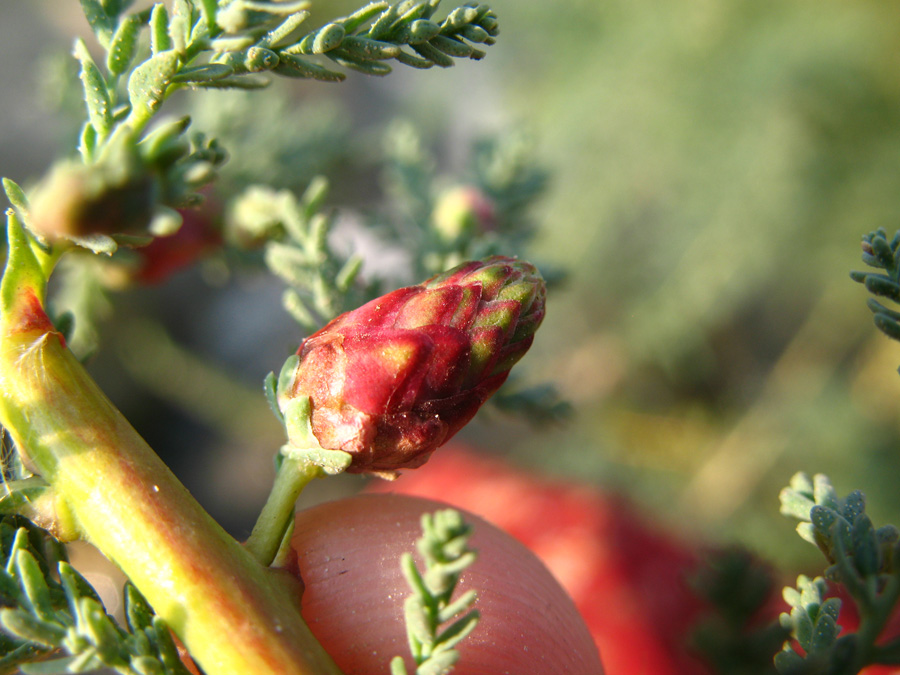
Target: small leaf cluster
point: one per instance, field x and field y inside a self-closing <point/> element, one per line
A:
<point x="813" y="624"/>
<point x="54" y="622"/>
<point x="865" y="560"/>
<point x="16" y="585"/>
<point x="842" y="530"/>
<point x="362" y="41"/>
<point x="294" y="236"/>
<point x="444" y="547"/>
<point x="884" y="254"/>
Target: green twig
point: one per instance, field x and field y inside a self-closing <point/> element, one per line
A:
<point x="126" y="502"/>
<point x="884" y="254"/>
<point x="446" y="554"/>
<point x="275" y="520"/>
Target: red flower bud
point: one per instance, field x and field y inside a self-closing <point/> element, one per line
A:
<point x="394" y="379"/>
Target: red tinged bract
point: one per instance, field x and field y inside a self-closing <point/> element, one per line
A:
<point x="394" y="379"/>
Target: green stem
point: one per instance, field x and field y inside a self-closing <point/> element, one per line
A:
<point x="275" y="518"/>
<point x="138" y="119"/>
<point x="235" y="616"/>
<point x="874" y="616"/>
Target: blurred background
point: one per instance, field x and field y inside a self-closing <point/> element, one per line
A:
<point x="712" y="167"/>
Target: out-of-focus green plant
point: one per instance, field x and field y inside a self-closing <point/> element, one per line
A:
<point x="695" y="152"/>
<point x="735" y="637"/>
<point x="880" y="253"/>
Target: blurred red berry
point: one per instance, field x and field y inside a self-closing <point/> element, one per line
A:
<point x="79" y="200"/>
<point x="394" y="379"/>
<point x="629" y="580"/>
<point x="199" y="235"/>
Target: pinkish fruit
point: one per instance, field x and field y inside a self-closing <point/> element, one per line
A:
<point x="394" y="379"/>
<point x="348" y="556"/>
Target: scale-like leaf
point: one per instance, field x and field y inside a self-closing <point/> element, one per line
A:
<point x="148" y="83"/>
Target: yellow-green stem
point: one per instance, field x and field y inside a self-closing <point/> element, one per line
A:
<point x="275" y="518"/>
<point x="233" y="614"/>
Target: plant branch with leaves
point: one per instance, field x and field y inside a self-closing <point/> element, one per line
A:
<point x="863" y="560"/>
<point x="444" y="548"/>
<point x="96" y="479"/>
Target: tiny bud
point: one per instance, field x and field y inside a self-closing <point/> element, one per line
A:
<point x="396" y="378"/>
<point x="462" y="212"/>
<point x="78" y="200"/>
<point x="260" y="59"/>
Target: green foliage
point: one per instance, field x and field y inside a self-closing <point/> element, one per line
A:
<point x="441" y="223"/>
<point x="53" y="621"/>
<point x="864" y="560"/>
<point x="393" y="26"/>
<point x="443" y="220"/>
<point x="281" y="144"/>
<point x="294" y="236"/>
<point x="882" y="254"/>
<point x="692" y="149"/>
<point x="124" y="189"/>
<point x="445" y="551"/>
<point x="208" y="45"/>
<point x="813" y="624"/>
